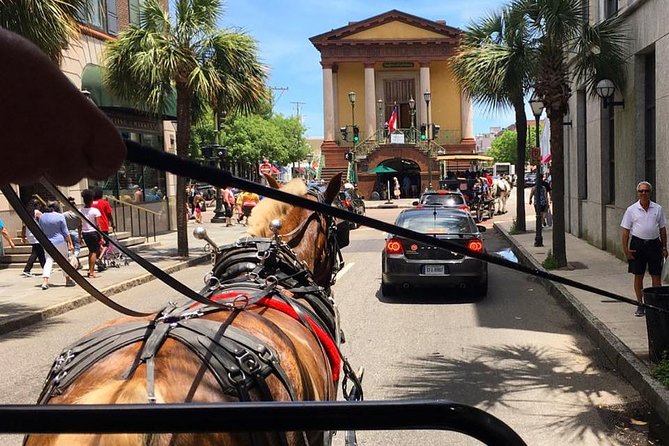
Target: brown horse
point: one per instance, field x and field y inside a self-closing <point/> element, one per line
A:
<point x="168" y="368"/>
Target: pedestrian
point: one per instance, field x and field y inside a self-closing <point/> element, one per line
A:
<point x="406" y="185"/>
<point x="27" y="237"/>
<point x="540" y="194"/>
<point x="248" y="200"/>
<point x="54" y="227"/>
<point x="228" y="199"/>
<point x="73" y="222"/>
<point x="5" y="235"/>
<point x="89" y="231"/>
<point x="105" y="223"/>
<point x="645" y="222"/>
<point x="198" y="203"/>
<point x="396" y="188"/>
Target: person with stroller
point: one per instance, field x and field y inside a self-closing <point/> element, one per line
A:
<point x="89" y="232"/>
<point x="105" y="224"/>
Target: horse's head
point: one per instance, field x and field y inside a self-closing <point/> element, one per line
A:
<point x="309" y="233"/>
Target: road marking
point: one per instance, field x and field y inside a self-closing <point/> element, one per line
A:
<point x="344" y="270"/>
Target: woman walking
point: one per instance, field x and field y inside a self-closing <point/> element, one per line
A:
<point x="89" y="232"/>
<point x="54" y="227"/>
<point x="37" y="252"/>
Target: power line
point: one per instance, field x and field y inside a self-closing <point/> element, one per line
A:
<point x="281" y="89"/>
<point x="297" y="106"/>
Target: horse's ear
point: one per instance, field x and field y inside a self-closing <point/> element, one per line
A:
<point x="272" y="181"/>
<point x="333" y="188"/>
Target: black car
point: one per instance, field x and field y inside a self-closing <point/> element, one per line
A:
<point x="406" y="263"/>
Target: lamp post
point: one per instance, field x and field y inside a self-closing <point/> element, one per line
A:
<point x="379" y="119"/>
<point x="537" y="109"/>
<point x="218" y="155"/>
<point x="427" y="97"/>
<point x="352" y="172"/>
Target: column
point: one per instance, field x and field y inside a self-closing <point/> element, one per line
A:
<point x="335" y="95"/>
<point x="370" y="101"/>
<point x="466" y="118"/>
<point x="328" y="104"/>
<point x="424" y="85"/>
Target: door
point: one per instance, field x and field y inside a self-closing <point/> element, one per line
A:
<point x="399" y="91"/>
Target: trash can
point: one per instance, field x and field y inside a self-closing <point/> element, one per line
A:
<point x="657" y="323"/>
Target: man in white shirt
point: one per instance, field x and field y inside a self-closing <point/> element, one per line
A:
<point x="647" y="246"/>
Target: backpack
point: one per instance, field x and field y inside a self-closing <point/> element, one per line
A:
<point x="542" y="195"/>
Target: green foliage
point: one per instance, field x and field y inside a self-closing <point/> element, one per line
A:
<point x="514" y="228"/>
<point x="550" y="262"/>
<point x="661" y="371"/>
<point x="504" y="148"/>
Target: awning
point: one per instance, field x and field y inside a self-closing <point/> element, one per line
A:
<point x="546" y="159"/>
<point x="91" y="81"/>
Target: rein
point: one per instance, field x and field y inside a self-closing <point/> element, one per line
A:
<point x="166" y="161"/>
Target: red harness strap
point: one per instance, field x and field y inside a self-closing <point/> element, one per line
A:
<point x="325" y="339"/>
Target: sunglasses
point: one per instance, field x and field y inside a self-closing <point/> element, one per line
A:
<point x="644" y="191"/>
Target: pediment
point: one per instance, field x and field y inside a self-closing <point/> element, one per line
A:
<point x="390" y="26"/>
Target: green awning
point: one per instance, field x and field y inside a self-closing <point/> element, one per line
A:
<point x="91" y="80"/>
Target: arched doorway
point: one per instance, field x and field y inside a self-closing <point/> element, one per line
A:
<point x="407" y="173"/>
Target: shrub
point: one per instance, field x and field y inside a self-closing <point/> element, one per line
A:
<point x="550" y="262"/>
<point x="661" y="371"/>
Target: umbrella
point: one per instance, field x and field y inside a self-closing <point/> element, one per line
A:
<point x="382" y="169"/>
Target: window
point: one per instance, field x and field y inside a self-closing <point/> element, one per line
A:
<point x="103" y="16"/>
<point x="610" y="141"/>
<point x="135" y="7"/>
<point x="582" y="143"/>
<point x="649" y="121"/>
<point x="610" y="8"/>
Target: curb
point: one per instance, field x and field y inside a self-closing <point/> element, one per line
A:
<point x="625" y="362"/>
<point x="18" y="322"/>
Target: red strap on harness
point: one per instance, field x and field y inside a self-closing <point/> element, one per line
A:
<point x="325" y="339"/>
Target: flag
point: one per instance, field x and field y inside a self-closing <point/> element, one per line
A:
<point x="392" y="122"/>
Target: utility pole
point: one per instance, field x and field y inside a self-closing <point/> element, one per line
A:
<point x="297" y="106"/>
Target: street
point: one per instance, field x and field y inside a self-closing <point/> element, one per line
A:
<point x="515" y="354"/>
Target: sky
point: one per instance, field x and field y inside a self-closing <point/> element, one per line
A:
<point x="282" y="29"/>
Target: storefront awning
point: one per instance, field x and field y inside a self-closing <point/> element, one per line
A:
<point x="91" y="81"/>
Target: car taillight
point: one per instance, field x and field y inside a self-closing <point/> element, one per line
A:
<point x="394" y="246"/>
<point x="475" y="245"/>
<point x="464" y="207"/>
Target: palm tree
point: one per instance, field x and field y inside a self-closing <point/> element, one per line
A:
<point x="569" y="48"/>
<point x="49" y="24"/>
<point x="494" y="66"/>
<point x="205" y="65"/>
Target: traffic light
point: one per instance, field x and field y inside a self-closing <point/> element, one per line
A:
<point x="344" y="133"/>
<point x="435" y="130"/>
<point x="356" y="134"/>
<point x="348" y="156"/>
<point x="423" y="132"/>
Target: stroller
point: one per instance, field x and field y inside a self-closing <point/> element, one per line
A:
<point x="111" y="256"/>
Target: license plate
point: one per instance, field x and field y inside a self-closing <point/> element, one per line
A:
<point x="433" y="270"/>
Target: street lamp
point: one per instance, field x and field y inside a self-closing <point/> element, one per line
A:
<point x="218" y="156"/>
<point x="427" y="97"/>
<point x="537" y="109"/>
<point x="605" y="90"/>
<point x="379" y="119"/>
<point x="352" y="172"/>
<point x="412" y="111"/>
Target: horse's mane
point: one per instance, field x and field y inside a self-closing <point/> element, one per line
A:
<point x="269" y="209"/>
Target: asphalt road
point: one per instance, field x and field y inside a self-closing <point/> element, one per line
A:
<point x="515" y="354"/>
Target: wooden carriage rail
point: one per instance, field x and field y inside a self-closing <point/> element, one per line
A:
<point x="147" y="212"/>
<point x="259" y="416"/>
<point x="179" y="166"/>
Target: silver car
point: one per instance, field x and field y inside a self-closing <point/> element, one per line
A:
<point x="407" y="263"/>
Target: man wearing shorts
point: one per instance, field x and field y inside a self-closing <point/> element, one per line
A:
<point x="644" y="221"/>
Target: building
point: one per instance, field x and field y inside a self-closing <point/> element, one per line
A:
<point x="484" y="140"/>
<point x="608" y="150"/>
<point x="82" y="65"/>
<point x="377" y="72"/>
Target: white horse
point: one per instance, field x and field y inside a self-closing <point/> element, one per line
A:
<point x="501" y="191"/>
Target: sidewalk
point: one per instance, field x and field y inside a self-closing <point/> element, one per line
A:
<point x="610" y="324"/>
<point x="23" y="302"/>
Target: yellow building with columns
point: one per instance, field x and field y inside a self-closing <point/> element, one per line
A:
<point x="392" y="62"/>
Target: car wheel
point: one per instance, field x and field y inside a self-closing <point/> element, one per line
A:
<point x="388" y="290"/>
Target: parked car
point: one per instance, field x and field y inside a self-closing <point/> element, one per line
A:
<point x="530" y="179"/>
<point x="443" y="198"/>
<point x="406" y="263"/>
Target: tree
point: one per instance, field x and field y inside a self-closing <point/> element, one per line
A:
<point x="569" y="49"/>
<point x="504" y="148"/>
<point x="204" y="64"/>
<point x="494" y="65"/>
<point x="49" y="24"/>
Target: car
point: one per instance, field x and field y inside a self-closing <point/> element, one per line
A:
<point x="443" y="198"/>
<point x="530" y="179"/>
<point x="352" y="202"/>
<point x="407" y="264"/>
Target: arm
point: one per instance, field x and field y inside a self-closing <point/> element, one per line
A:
<point x="5" y="234"/>
<point x="626" y="242"/>
<point x="663" y="237"/>
<point x="23" y="234"/>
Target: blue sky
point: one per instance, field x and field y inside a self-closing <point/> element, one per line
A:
<point x="283" y="28"/>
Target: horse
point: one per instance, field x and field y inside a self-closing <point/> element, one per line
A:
<point x="271" y="333"/>
<point x="501" y="190"/>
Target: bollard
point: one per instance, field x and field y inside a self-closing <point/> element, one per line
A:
<point x="657" y="323"/>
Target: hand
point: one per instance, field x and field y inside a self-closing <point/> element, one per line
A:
<point x="630" y="254"/>
<point x="665" y="253"/>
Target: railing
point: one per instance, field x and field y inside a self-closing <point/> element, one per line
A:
<point x="411" y="136"/>
<point x="134" y="213"/>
